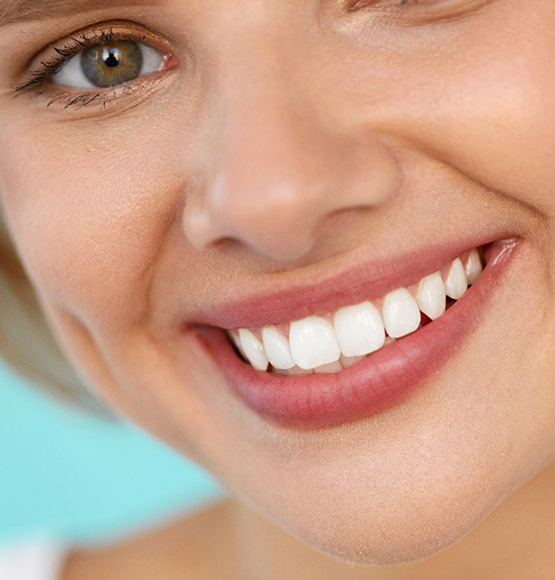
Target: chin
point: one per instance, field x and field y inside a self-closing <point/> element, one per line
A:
<point x="396" y="530"/>
<point x="387" y="542"/>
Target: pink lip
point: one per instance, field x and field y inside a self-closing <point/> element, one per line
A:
<point x="359" y="278"/>
<point x="382" y="380"/>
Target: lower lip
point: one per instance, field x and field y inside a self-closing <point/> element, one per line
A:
<point x="383" y="379"/>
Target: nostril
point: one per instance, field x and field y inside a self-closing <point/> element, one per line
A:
<point x="223" y="243"/>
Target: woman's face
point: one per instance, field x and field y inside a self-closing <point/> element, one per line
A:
<point x="283" y="159"/>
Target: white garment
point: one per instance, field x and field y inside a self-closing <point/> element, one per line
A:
<point x="32" y="560"/>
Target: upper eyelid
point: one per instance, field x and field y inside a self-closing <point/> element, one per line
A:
<point x="418" y="12"/>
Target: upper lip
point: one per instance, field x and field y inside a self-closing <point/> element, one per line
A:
<point x="358" y="277"/>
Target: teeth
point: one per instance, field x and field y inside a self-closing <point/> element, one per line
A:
<point x="294" y="371"/>
<point x="234" y="335"/>
<point x="431" y="296"/>
<point x="349" y="361"/>
<point x="253" y="350"/>
<point x="277" y="349"/>
<point x="456" y="284"/>
<point x="400" y="313"/>
<point x="313" y="342"/>
<point x="359" y="329"/>
<point x="315" y="345"/>
<point x="473" y="266"/>
<point x="331" y="368"/>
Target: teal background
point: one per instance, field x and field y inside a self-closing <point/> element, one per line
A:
<point x="78" y="479"/>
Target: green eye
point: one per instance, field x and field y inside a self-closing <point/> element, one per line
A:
<point x="109" y="64"/>
<point x="112" y="63"/>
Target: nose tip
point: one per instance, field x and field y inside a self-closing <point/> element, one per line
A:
<point x="281" y="218"/>
<point x="277" y="203"/>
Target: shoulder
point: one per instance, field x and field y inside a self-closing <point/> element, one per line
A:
<point x="36" y="559"/>
<point x="197" y="545"/>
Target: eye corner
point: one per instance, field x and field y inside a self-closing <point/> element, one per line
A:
<point x="355" y="5"/>
<point x="171" y="61"/>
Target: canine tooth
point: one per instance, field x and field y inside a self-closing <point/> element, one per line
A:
<point x="234" y="335"/>
<point x="331" y="368"/>
<point x="254" y="351"/>
<point x="456" y="284"/>
<point x="349" y="361"/>
<point x="277" y="348"/>
<point x="473" y="267"/>
<point x="359" y="329"/>
<point x="431" y="296"/>
<point x="313" y="342"/>
<point x="400" y="313"/>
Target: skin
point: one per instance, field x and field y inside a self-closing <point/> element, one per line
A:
<point x="286" y="140"/>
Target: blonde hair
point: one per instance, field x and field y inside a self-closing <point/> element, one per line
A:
<point x="26" y="341"/>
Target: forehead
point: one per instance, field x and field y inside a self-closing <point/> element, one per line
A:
<point x="18" y="10"/>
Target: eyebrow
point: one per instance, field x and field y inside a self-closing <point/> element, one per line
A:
<point x="25" y="10"/>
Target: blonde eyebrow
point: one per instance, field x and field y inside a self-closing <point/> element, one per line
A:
<point x="25" y="10"/>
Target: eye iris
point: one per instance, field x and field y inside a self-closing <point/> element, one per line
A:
<point x="112" y="63"/>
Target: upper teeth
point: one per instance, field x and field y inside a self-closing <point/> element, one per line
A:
<point x="336" y="340"/>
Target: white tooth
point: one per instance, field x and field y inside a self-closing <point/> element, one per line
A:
<point x="313" y="342"/>
<point x="359" y="329"/>
<point x="331" y="368"/>
<point x="431" y="296"/>
<point x="400" y="313"/>
<point x="473" y="266"/>
<point x="277" y="348"/>
<point x="254" y="350"/>
<point x="234" y="335"/>
<point x="349" y="361"/>
<point x="456" y="284"/>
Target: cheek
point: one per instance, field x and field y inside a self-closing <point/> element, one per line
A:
<point x="502" y="133"/>
<point x="490" y="117"/>
<point x="88" y="221"/>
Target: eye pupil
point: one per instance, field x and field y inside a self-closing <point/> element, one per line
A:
<point x="111" y="57"/>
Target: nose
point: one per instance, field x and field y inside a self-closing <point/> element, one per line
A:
<point x="279" y="170"/>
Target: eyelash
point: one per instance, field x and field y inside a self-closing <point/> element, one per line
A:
<point x="422" y="11"/>
<point x="73" y="46"/>
<point x="359" y="4"/>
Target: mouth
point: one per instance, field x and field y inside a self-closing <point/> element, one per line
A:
<point x="336" y="340"/>
<point x="363" y="356"/>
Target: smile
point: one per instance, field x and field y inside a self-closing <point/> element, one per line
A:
<point x="339" y="364"/>
<point x="337" y="340"/>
